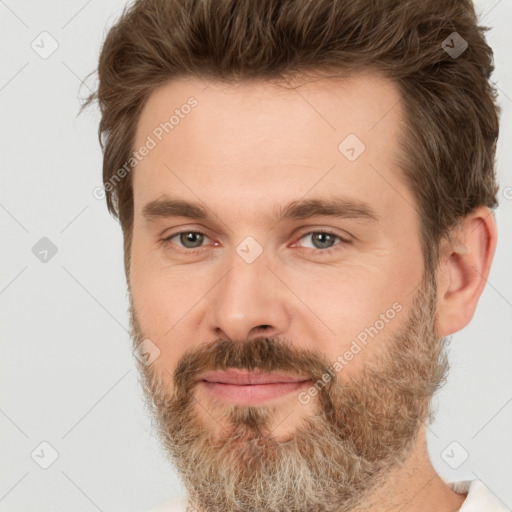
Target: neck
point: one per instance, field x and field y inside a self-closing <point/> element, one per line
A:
<point x="415" y="486"/>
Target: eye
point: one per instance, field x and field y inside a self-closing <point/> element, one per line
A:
<point x="187" y="239"/>
<point x="323" y="240"/>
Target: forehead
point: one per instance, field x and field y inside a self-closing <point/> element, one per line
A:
<point x="256" y="143"/>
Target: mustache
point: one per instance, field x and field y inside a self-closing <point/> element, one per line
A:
<point x="267" y="354"/>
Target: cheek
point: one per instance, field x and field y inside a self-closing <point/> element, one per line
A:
<point x="345" y="298"/>
<point x="353" y="311"/>
<point x="167" y="300"/>
<point x="154" y="297"/>
<point x="159" y="310"/>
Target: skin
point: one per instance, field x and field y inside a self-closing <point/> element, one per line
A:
<point x="246" y="150"/>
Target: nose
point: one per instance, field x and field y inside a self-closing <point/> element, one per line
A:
<point x="248" y="302"/>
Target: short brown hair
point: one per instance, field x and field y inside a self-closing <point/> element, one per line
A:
<point x="451" y="110"/>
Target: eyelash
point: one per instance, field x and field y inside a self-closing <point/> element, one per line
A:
<point x="167" y="241"/>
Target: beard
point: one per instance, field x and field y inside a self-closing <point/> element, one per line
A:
<point x="364" y="424"/>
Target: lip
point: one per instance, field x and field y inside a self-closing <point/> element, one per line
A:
<point x="248" y="378"/>
<point x="250" y="388"/>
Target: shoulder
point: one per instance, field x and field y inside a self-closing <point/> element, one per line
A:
<point x="175" y="505"/>
<point x="479" y="498"/>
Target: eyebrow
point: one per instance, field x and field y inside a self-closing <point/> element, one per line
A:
<point x="337" y="207"/>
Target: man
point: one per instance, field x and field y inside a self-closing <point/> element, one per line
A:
<point x="305" y="192"/>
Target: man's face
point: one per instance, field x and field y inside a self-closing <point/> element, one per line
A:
<point x="306" y="262"/>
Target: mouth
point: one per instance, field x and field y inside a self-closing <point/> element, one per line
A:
<point x="250" y="388"/>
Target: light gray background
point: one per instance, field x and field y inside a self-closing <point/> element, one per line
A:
<point x="67" y="374"/>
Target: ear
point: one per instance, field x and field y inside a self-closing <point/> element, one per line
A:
<point x="465" y="262"/>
